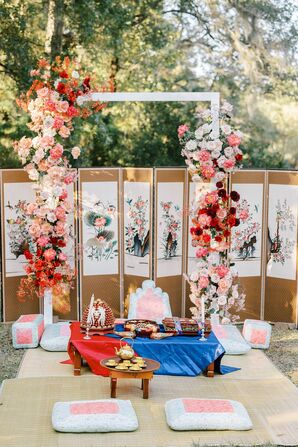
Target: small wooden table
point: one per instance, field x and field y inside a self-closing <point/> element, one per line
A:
<point x="145" y="374"/>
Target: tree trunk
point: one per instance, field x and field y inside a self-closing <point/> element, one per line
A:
<point x="54" y="32"/>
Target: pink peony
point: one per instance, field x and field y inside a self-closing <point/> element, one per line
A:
<point x="62" y="257"/>
<point x="182" y="129"/>
<point x="229" y="164"/>
<point x="62" y="106"/>
<point x="208" y="171"/>
<point x="58" y="122"/>
<point x="42" y="241"/>
<point x="233" y="140"/>
<point x="203" y="282"/>
<point x="222" y="270"/>
<point x="49" y="254"/>
<point x="46" y="141"/>
<point x="34" y="230"/>
<point x="221" y="213"/>
<point x="60" y="229"/>
<point x="64" y="132"/>
<point x="56" y="151"/>
<point x="60" y="213"/>
<point x="68" y="179"/>
<point x="201" y="252"/>
<point x="204" y="156"/>
<point x="204" y="220"/>
<point x="211" y="198"/>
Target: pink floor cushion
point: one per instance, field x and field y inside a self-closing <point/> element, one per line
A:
<point x="56" y="336"/>
<point x="27" y="331"/>
<point x="93" y="416"/>
<point x="257" y="333"/>
<point x="206" y="414"/>
<point x="231" y="339"/>
<point x="149" y="303"/>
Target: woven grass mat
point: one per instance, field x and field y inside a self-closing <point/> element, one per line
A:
<point x="26" y="406"/>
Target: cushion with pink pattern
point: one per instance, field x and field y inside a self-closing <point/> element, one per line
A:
<point x="231" y="339"/>
<point x="149" y="303"/>
<point x="27" y="331"/>
<point x="257" y="333"/>
<point x="92" y="416"/>
<point x="206" y="414"/>
<point x="56" y="336"/>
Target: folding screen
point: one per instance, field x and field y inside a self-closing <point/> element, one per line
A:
<point x="282" y="264"/>
<point x="100" y="272"/>
<point x="169" y="234"/>
<point x="16" y="191"/>
<point x="247" y="250"/>
<point x="136" y="228"/>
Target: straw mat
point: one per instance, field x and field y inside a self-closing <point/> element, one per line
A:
<point x="270" y="398"/>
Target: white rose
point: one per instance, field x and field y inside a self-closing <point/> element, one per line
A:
<point x="219" y="176"/>
<point x="195" y="155"/>
<point x="75" y="74"/>
<point x="215" y="154"/>
<point x="194" y="276"/>
<point x="214" y="278"/>
<point x="222" y="300"/>
<point x="33" y="174"/>
<point x="229" y="151"/>
<point x="35" y="142"/>
<point x="199" y="133"/>
<point x="226" y="129"/>
<point x="191" y="145"/>
<point x="51" y="217"/>
<point x="75" y="152"/>
<point x="206" y="128"/>
<point x="221" y="160"/>
<point x="203" y="145"/>
<point x="39" y="154"/>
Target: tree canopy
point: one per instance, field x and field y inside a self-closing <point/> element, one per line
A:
<point x="245" y="49"/>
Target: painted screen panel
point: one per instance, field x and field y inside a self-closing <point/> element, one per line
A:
<point x="100" y="228"/>
<point x="169" y="228"/>
<point x="246" y="248"/>
<point x="137" y="228"/>
<point x="16" y="196"/>
<point x="282" y="231"/>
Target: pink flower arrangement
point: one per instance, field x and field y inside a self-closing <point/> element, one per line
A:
<point x="207" y="154"/>
<point x="52" y="104"/>
<point x="218" y="285"/>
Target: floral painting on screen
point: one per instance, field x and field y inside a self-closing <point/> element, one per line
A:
<point x="137" y="230"/>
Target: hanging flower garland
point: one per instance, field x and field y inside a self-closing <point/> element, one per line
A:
<point x="52" y="102"/>
<point x="213" y="157"/>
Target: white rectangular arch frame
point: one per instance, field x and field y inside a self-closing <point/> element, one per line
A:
<point x="212" y="97"/>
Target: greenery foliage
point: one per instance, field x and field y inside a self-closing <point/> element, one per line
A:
<point x="245" y="49"/>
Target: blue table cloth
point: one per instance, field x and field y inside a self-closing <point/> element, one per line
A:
<point x="181" y="355"/>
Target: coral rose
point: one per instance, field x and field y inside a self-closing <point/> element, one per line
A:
<point x="56" y="151"/>
<point x="203" y="282"/>
<point x="233" y="140"/>
<point x="49" y="254"/>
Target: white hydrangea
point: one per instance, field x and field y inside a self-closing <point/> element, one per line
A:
<point x="191" y="145"/>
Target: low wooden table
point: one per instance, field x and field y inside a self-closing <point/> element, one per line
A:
<point x="145" y="374"/>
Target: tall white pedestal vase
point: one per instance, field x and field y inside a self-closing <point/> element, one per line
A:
<point x="48" y="306"/>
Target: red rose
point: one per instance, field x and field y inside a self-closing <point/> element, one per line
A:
<point x="238" y="157"/>
<point x="63" y="74"/>
<point x="27" y="254"/>
<point x="235" y="196"/>
<point x="232" y="210"/>
<point x="226" y="233"/>
<point x="219" y="185"/>
<point x="218" y="238"/>
<point x="231" y="221"/>
<point x="61" y="243"/>
<point x="206" y="238"/>
<point x="57" y="276"/>
<point x="61" y="88"/>
<point x="222" y="193"/>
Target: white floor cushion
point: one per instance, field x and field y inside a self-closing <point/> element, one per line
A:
<point x="231" y="339"/>
<point x="27" y="331"/>
<point x="56" y="337"/>
<point x="257" y="333"/>
<point x="93" y="416"/>
<point x="206" y="414"/>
